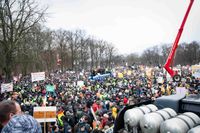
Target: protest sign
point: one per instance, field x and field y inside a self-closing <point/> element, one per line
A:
<point x="37" y="76"/>
<point x="160" y="80"/>
<point x="8" y="87"/>
<point x="181" y="91"/>
<point x="195" y="68"/>
<point x="196" y="74"/>
<point x="80" y="83"/>
<point x="50" y="88"/>
<point x="196" y="71"/>
<point x="45" y="114"/>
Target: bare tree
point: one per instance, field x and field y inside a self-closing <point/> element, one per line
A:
<point x="84" y="54"/>
<point x="132" y="58"/>
<point x="91" y="50"/>
<point x="110" y="52"/>
<point x="16" y="19"/>
<point x="165" y="51"/>
<point x="188" y="53"/>
<point x="49" y="54"/>
<point x="61" y="39"/>
<point x="102" y="48"/>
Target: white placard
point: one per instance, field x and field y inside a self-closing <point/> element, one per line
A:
<point x="196" y="74"/>
<point x="37" y="76"/>
<point x="160" y="80"/>
<point x="45" y="114"/>
<point x="80" y="83"/>
<point x="6" y="87"/>
<point x="181" y="91"/>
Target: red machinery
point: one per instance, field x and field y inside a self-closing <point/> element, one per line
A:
<point x="174" y="74"/>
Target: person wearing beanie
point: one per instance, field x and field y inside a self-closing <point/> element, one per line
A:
<point x="22" y="124"/>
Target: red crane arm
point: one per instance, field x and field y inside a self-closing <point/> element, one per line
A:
<point x="175" y="45"/>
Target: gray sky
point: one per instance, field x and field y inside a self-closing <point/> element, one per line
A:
<point x="131" y="25"/>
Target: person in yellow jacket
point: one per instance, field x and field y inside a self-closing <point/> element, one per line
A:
<point x="162" y="89"/>
<point x="114" y="112"/>
<point x="169" y="90"/>
<point x="59" y="116"/>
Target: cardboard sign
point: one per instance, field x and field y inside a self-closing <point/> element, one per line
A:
<point x="6" y="87"/>
<point x="45" y="114"/>
<point x="37" y="76"/>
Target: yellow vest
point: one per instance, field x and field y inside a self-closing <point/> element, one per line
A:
<point x="59" y="119"/>
<point x="114" y="112"/>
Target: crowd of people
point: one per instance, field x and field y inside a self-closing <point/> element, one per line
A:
<point x="91" y="106"/>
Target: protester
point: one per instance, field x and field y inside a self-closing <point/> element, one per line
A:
<point x="8" y="109"/>
<point x="91" y="105"/>
<point x="22" y="124"/>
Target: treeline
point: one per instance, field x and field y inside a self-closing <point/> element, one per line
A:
<point x="186" y="54"/>
<point x="41" y="49"/>
<point x="26" y="45"/>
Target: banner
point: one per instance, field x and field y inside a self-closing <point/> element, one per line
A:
<point x="6" y="87"/>
<point x="45" y="114"/>
<point x="37" y="76"/>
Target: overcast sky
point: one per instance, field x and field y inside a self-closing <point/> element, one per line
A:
<point x="130" y="25"/>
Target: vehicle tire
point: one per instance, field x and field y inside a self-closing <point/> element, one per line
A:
<point x="177" y="78"/>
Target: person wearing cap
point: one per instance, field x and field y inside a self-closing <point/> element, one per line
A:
<point x="22" y="123"/>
